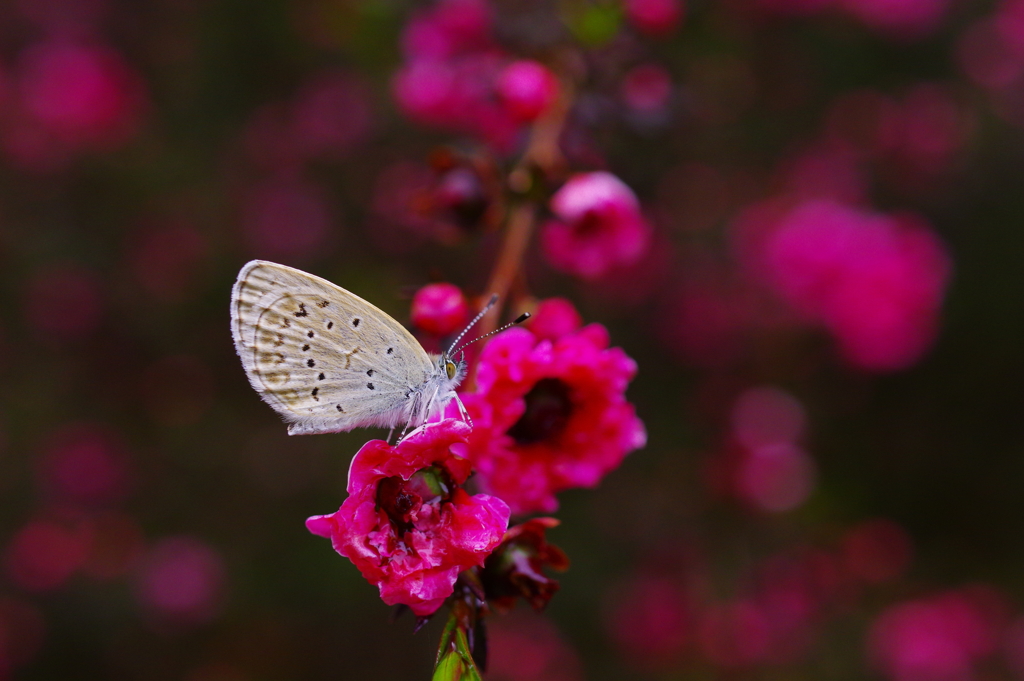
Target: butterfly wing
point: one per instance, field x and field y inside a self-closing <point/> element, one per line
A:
<point x="325" y="359"/>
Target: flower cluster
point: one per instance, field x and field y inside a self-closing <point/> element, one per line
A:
<point x="456" y="77"/>
<point x="548" y="414"/>
<point x="875" y="281"/>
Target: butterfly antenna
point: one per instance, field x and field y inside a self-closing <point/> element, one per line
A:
<point x="478" y="317"/>
<point x="518" y="320"/>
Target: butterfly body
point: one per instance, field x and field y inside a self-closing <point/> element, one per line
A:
<point x="328" y="361"/>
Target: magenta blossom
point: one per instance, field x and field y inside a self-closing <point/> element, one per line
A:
<point x="938" y="638"/>
<point x="407" y="524"/>
<point x="550" y="415"/>
<point x="599" y="226"/>
<point x="876" y="282"/>
<point x="440" y="309"/>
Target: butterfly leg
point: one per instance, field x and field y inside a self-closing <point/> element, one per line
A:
<point x="462" y="409"/>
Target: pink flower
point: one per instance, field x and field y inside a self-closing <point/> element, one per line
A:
<point x="525" y="646"/>
<point x="440" y="309"/>
<point x="286" y="216"/>
<point x="85" y="463"/>
<point x="654" y="17"/>
<point x="44" y="554"/>
<point x="647" y="88"/>
<point x="939" y="638"/>
<point x="181" y="581"/>
<point x="528" y="89"/>
<point x="905" y="19"/>
<point x="875" y="281"/>
<point x="408" y="525"/>
<point x="554" y="318"/>
<point x="599" y="226"/>
<point x="72" y="96"/>
<point x="649" y="618"/>
<point x="550" y="415"/>
<point x="776" y="478"/>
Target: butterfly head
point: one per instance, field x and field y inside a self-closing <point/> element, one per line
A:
<point x="451" y="368"/>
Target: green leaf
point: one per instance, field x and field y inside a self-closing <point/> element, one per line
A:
<point x="449" y="668"/>
<point x="446" y="637"/>
<point x="595" y="25"/>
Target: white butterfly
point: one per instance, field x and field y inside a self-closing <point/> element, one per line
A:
<point x="328" y="361"/>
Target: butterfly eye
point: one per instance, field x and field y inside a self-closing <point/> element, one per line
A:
<point x="450" y="369"/>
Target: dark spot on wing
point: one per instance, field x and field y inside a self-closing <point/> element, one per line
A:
<point x="310" y="334"/>
<point x="330" y="324"/>
<point x="390" y="350"/>
<point x="320" y="377"/>
<point x="315" y="391"/>
<point x="323" y="303"/>
<point x="305" y="347"/>
<point x="339" y="408"/>
<point x="302" y="311"/>
<point x="355" y="322"/>
<point x="369" y="372"/>
<point x="370" y="386"/>
<point x="310" y="363"/>
<point x="279" y="341"/>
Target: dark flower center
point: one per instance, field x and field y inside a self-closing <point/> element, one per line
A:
<point x="548" y="408"/>
<point x="398" y="497"/>
<point x="590" y="224"/>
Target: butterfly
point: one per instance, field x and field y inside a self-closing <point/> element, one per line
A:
<point x="328" y="361"/>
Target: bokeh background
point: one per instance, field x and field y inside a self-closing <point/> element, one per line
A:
<point x="832" y="483"/>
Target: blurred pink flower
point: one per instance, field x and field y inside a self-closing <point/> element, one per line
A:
<point x="655" y="17"/>
<point x="70" y="97"/>
<point x="440" y="309"/>
<point x="451" y="71"/>
<point x="831" y="169"/>
<point x="448" y="28"/>
<point x="647" y="87"/>
<point x="791" y="591"/>
<point x="776" y="478"/>
<point x="913" y="139"/>
<point x="44" y="554"/>
<point x="527" y="88"/>
<point x="550" y="415"/>
<point x="903" y="19"/>
<point x="328" y="117"/>
<point x="767" y="415"/>
<point x="408" y="525"/>
<point x="599" y="226"/>
<point x="876" y="282"/>
<point x="524" y="646"/>
<point x="85" y="463"/>
<point x="650" y="620"/>
<point x="936" y="638"/>
<point x="181" y="581"/>
<point x="287" y="217"/>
